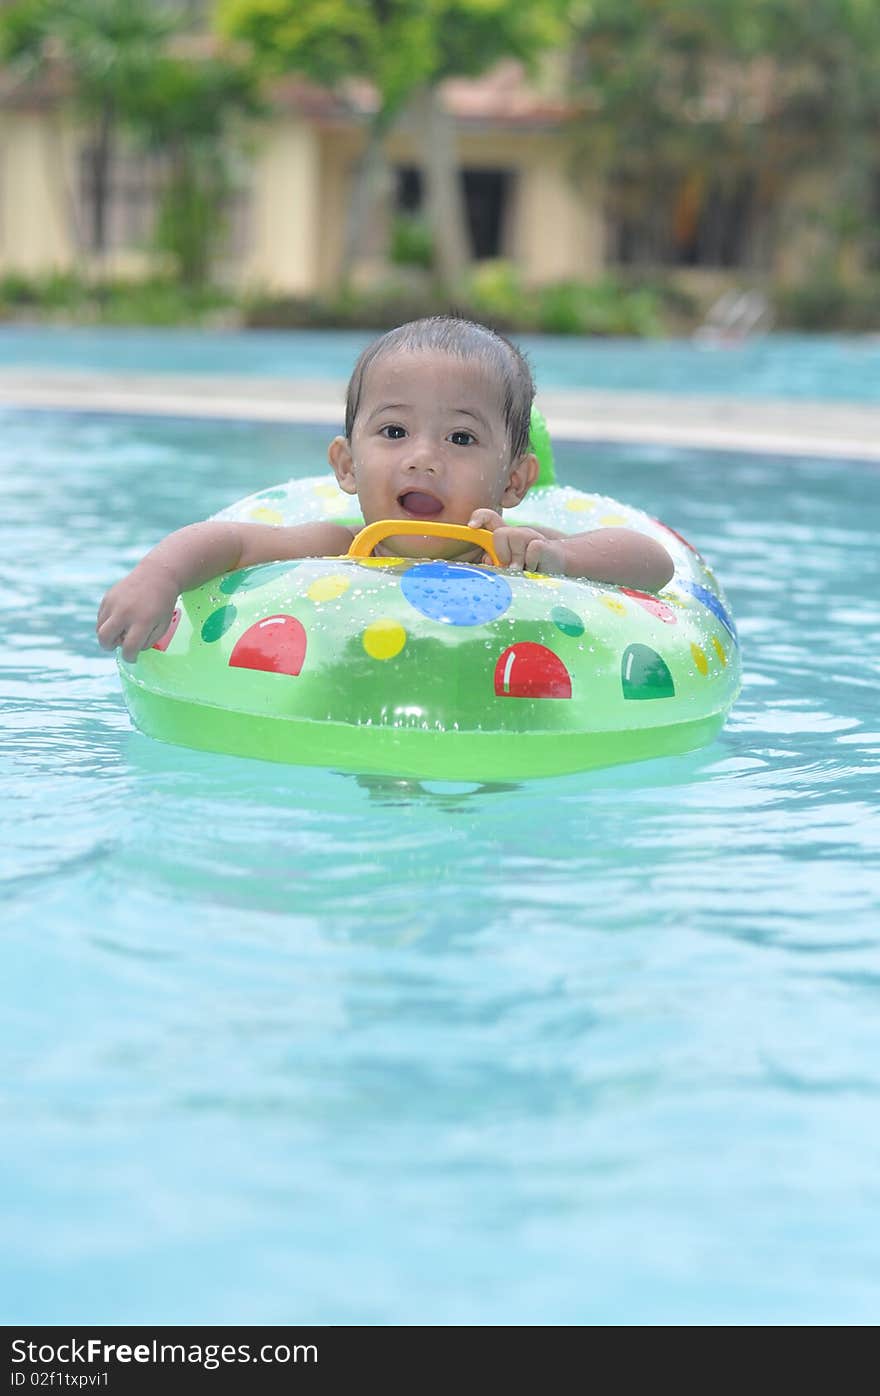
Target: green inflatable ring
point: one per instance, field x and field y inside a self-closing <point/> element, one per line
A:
<point x="441" y="670"/>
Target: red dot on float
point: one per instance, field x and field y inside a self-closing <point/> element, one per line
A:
<point x="653" y="604"/>
<point x="677" y="535"/>
<point x="276" y="645"/>
<point x="165" y="640"/>
<point x="528" y="670"/>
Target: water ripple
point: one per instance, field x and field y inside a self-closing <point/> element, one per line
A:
<point x="525" y="1052"/>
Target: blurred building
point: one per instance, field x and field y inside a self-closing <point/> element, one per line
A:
<point x="528" y="198"/>
<point x="287" y="218"/>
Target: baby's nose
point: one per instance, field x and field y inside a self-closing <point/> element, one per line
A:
<point x="421" y="456"/>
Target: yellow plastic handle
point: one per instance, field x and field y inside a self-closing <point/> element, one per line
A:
<point x="365" y="541"/>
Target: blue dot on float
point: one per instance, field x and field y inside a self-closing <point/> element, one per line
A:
<point x="455" y="592"/>
<point x="710" y="601"/>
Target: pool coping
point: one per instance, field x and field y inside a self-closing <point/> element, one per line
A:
<point x="796" y="427"/>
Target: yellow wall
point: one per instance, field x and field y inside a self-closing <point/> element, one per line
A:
<point x="35" y="171"/>
<point x="300" y="184"/>
<point x="284" y="227"/>
<point x="554" y="225"/>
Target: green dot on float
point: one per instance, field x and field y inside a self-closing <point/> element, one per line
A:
<point x="645" y="674"/>
<point x="218" y="623"/>
<point x="567" y="621"/>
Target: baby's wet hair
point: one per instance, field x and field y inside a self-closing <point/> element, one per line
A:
<point x="450" y="334"/>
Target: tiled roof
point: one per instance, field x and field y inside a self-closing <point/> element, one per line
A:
<point x="502" y="97"/>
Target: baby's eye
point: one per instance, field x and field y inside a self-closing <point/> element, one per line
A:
<point x="392" y="432"/>
<point x="462" y="438"/>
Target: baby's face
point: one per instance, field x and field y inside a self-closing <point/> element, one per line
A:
<point x="429" y="443"/>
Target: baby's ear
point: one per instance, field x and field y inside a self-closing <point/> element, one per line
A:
<point x="339" y="456"/>
<point x="522" y="477"/>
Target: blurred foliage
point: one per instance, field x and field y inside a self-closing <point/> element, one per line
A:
<point x="379" y="307"/>
<point x="186" y="110"/>
<point x="733" y="95"/>
<point x="605" y="307"/>
<point x="400" y="46"/>
<point x="192" y="113"/>
<point x="411" y="241"/>
<point x="823" y="304"/>
<point x="495" y="289"/>
<point x="611" y="307"/>
<point x="493" y="294"/>
<point x="107" y="50"/>
<point x="109" y="47"/>
<point x="66" y="298"/>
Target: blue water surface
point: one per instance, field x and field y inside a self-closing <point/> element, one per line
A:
<point x="838" y="367"/>
<point x="282" y="1045"/>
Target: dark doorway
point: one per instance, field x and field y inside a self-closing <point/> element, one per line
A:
<point x="486" y="194"/>
<point x="486" y="197"/>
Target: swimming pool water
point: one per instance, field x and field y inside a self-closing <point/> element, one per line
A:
<point x="282" y="1045"/>
<point x="839" y="367"/>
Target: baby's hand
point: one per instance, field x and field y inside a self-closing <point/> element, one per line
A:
<point x="520" y="549"/>
<point x="137" y="611"/>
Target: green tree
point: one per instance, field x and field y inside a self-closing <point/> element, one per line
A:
<point x="826" y="57"/>
<point x="108" y="49"/>
<point x="188" y="112"/>
<point x="472" y="35"/>
<point x="682" y="96"/>
<point x="116" y="55"/>
<point x="405" y="48"/>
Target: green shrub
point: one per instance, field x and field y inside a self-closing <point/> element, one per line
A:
<point x="825" y="304"/>
<point x="494" y="292"/>
<point x="380" y="307"/>
<point x="157" y="302"/>
<point x="56" y="291"/>
<point x="603" y="308"/>
<point x="411" y="242"/>
<point x="16" y="289"/>
<point x="264" y="311"/>
<point x="62" y="290"/>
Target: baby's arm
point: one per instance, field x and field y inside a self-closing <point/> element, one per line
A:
<point x="137" y="611"/>
<point x="620" y="556"/>
<point x="617" y="555"/>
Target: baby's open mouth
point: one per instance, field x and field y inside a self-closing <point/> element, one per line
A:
<point x="419" y="504"/>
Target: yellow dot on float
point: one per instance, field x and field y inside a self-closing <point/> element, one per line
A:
<point x="613" y="604"/>
<point x="580" y="506"/>
<point x="542" y="577"/>
<point x="328" y="588"/>
<point x="719" y="650"/>
<point x="382" y="561"/>
<point x="384" y="639"/>
<point x="267" y="516"/>
<point x="612" y="520"/>
<point x="327" y="491"/>
<point x="700" y="659"/>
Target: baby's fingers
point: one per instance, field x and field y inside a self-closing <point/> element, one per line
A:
<point x="135" y="639"/>
<point x="109" y="630"/>
<point x="544" y="556"/>
<point x="118" y="631"/>
<point x="501" y="544"/>
<point x="485" y="518"/>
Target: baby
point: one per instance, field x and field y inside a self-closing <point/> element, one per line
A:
<point x="436" y="429"/>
